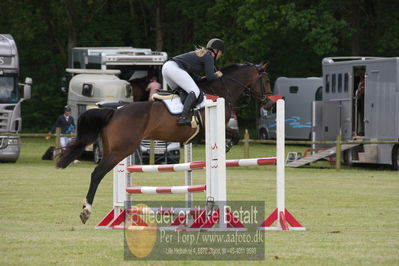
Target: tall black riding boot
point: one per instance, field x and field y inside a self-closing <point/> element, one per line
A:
<point x="190" y="102"/>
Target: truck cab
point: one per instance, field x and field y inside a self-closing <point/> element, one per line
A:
<point x="10" y="99"/>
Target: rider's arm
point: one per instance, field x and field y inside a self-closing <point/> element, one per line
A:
<point x="195" y="77"/>
<point x="209" y="66"/>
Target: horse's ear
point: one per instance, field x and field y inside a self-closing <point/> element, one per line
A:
<point x="262" y="67"/>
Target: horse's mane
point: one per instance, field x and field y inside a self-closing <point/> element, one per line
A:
<point x="233" y="67"/>
<point x="226" y="70"/>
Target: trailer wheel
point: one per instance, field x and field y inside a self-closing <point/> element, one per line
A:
<point x="263" y="134"/>
<point x="395" y="157"/>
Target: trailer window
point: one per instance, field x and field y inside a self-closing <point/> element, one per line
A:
<point x="339" y="82"/>
<point x="327" y="81"/>
<point x="81" y="109"/>
<point x="333" y="82"/>
<point x="76" y="64"/>
<point x="294" y="89"/>
<point x="346" y="82"/>
<point x="319" y="94"/>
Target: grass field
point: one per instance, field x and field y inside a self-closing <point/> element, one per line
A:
<point x="351" y="215"/>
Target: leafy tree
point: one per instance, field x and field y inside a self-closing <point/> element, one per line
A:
<point x="292" y="36"/>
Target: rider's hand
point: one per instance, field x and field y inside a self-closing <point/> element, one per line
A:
<point x="219" y="74"/>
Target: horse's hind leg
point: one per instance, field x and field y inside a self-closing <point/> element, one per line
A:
<point x="97" y="175"/>
<point x="234" y="137"/>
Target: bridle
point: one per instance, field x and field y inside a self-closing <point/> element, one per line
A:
<point x="262" y="96"/>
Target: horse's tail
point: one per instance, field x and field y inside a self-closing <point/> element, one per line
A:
<point x="90" y="125"/>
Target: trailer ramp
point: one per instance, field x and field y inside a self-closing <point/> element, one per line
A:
<point x="319" y="155"/>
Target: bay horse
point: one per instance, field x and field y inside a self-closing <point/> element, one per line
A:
<point x="123" y="129"/>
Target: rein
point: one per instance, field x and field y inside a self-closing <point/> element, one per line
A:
<point x="248" y="90"/>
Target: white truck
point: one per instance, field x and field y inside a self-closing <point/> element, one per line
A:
<point x="10" y="100"/>
<point x="101" y="77"/>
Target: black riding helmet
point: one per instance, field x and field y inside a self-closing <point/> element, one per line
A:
<point x="67" y="108"/>
<point x="215" y="43"/>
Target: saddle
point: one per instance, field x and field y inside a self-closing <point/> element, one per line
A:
<point x="182" y="94"/>
<point x="174" y="101"/>
<point x="164" y="95"/>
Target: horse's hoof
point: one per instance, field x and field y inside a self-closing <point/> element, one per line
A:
<point x="84" y="215"/>
<point x="229" y="145"/>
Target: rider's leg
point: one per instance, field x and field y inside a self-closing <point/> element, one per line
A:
<point x="175" y="75"/>
<point x="189" y="103"/>
<point x="167" y="70"/>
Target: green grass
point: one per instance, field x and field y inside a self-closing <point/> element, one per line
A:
<point x="351" y="215"/>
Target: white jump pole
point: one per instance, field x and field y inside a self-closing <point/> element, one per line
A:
<point x="120" y="184"/>
<point x="188" y="157"/>
<point x="280" y="142"/>
<point x="121" y="180"/>
<point x="284" y="219"/>
<point x="216" y="157"/>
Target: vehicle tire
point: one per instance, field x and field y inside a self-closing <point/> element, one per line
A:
<point x="263" y="134"/>
<point x="97" y="154"/>
<point x="137" y="157"/>
<point x="395" y="157"/>
<point x="348" y="157"/>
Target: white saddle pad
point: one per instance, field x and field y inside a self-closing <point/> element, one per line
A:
<point x="175" y="106"/>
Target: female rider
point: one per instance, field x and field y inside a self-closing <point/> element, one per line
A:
<point x="182" y="70"/>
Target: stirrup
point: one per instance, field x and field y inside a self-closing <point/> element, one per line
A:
<point x="184" y="121"/>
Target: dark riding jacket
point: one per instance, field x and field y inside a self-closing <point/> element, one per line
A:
<point x="193" y="64"/>
<point x="67" y="126"/>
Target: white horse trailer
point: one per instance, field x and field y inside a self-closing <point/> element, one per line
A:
<point x="372" y="114"/>
<point x="114" y="67"/>
<point x="299" y="93"/>
<point x="101" y="75"/>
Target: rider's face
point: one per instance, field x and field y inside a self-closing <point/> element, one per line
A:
<point x="219" y="54"/>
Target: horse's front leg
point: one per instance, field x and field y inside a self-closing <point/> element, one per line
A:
<point x="232" y="138"/>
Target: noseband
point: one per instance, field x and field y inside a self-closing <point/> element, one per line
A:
<point x="262" y="97"/>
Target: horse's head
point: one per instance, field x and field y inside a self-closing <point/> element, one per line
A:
<point x="260" y="87"/>
<point x="238" y="78"/>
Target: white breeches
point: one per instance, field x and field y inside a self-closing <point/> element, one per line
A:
<point x="177" y="77"/>
<point x="64" y="142"/>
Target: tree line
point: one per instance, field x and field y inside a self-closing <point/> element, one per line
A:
<point x="291" y="36"/>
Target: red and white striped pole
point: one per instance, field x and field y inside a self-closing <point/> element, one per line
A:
<point x="199" y="165"/>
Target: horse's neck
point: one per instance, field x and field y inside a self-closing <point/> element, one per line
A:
<point x="233" y="86"/>
<point x="226" y="88"/>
